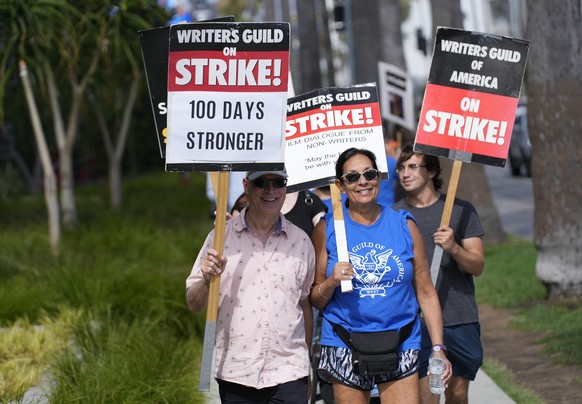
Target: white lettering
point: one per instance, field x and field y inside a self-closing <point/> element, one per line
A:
<point x="473" y="79"/>
<point x="470" y="127"/>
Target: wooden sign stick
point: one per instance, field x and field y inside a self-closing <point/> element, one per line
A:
<point x="446" y="218"/>
<point x="221" y="197"/>
<point x="341" y="240"/>
<point x="214" y="182"/>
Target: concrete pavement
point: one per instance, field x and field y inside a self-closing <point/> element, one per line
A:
<point x="484" y="391"/>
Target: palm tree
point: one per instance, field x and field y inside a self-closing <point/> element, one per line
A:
<point x="554" y="83"/>
<point x="310" y="71"/>
<point x="364" y="35"/>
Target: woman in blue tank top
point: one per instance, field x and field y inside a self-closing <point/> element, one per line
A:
<point x="391" y="281"/>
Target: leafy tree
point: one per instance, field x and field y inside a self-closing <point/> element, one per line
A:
<point x="28" y="31"/>
<point x="114" y="91"/>
<point x="68" y="47"/>
<point x="554" y="84"/>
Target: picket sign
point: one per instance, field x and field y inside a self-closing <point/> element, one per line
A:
<point x="479" y="90"/>
<point x="220" y="187"/>
<point x="446" y="218"/>
<point x="175" y="58"/>
<point x="341" y="240"/>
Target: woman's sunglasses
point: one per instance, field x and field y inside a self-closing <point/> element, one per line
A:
<point x="263" y="182"/>
<point x="353" y="177"/>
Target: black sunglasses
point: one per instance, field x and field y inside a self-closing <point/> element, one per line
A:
<point x="353" y="177"/>
<point x="263" y="182"/>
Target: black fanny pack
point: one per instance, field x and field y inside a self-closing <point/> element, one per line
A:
<point x="374" y="352"/>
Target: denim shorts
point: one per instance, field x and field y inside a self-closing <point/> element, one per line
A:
<point x="336" y="364"/>
<point x="464" y="349"/>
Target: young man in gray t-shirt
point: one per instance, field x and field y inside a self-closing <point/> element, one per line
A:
<point x="462" y="259"/>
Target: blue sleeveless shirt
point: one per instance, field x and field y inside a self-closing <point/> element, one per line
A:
<point x="383" y="297"/>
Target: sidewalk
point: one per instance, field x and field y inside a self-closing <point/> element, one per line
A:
<point x="484" y="391"/>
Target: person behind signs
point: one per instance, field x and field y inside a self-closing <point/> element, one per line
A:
<point x="235" y="188"/>
<point x="304" y="209"/>
<point x="324" y="193"/>
<point x="391" y="279"/>
<point x="240" y="203"/>
<point x="265" y="321"/>
<point x="461" y="261"/>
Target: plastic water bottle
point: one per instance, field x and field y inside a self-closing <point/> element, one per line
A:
<point x="436" y="367"/>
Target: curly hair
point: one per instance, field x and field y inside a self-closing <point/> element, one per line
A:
<point x="432" y="163"/>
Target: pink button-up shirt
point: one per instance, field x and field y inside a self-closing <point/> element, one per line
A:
<point x="260" y="332"/>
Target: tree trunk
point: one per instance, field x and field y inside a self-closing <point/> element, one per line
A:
<point x="554" y="83"/>
<point x="369" y="21"/>
<point x="329" y="78"/>
<point x="66" y="136"/>
<point x="65" y="141"/>
<point x="310" y="71"/>
<point x="446" y="13"/>
<point x="115" y="185"/>
<point x="366" y="49"/>
<point x="390" y="20"/>
<point x="269" y="9"/>
<point x="68" y="200"/>
<point x="50" y="182"/>
<point x="473" y="184"/>
<point x="67" y="186"/>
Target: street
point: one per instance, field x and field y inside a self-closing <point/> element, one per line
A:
<point x="513" y="197"/>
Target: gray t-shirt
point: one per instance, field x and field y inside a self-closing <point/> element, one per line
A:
<point x="455" y="287"/>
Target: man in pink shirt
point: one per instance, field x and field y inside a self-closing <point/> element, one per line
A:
<point x="265" y="321"/>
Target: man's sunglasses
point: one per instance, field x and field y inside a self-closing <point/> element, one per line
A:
<point x="353" y="177"/>
<point x="263" y="182"/>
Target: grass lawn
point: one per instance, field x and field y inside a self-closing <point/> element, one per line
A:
<point x="107" y="318"/>
<point x="509" y="281"/>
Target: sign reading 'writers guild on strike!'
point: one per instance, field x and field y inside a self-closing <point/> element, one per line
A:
<point x="322" y="124"/>
<point x="227" y="96"/>
<point x="471" y="96"/>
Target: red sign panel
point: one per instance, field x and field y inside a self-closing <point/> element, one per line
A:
<point x="471" y="96"/>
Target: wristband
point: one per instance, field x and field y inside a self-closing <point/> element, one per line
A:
<point x="439" y="347"/>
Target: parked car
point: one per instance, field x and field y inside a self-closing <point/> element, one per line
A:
<point x="519" y="155"/>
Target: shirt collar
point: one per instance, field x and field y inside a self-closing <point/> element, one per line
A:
<point x="241" y="223"/>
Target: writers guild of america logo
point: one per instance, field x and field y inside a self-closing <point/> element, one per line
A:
<point x="376" y="270"/>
